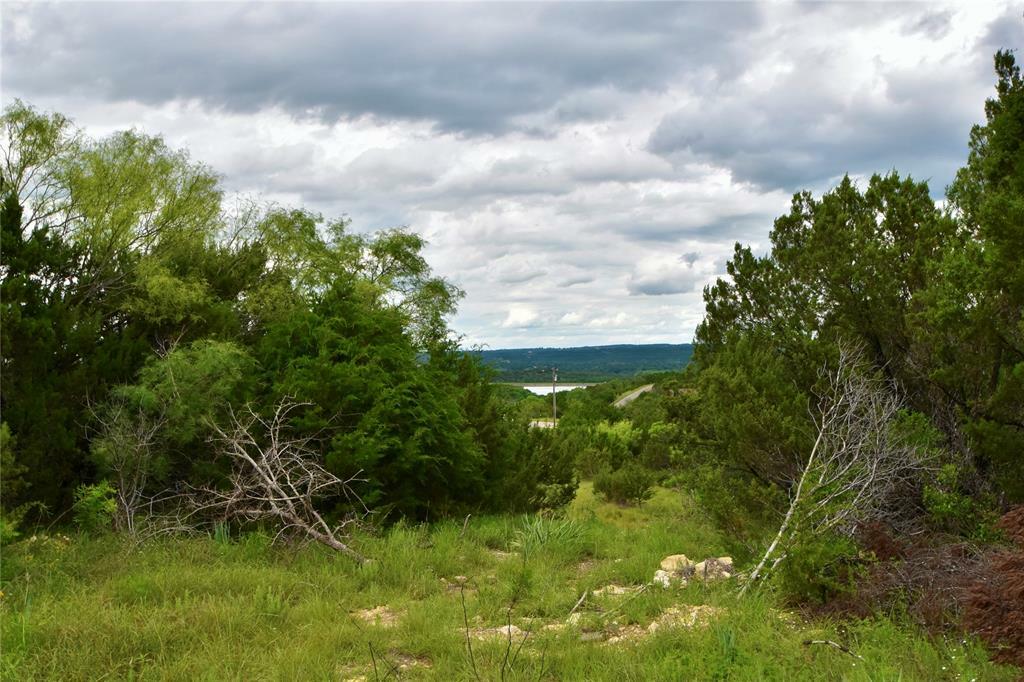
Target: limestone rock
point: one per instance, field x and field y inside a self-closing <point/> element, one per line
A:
<point x="663" y="578"/>
<point x="715" y="568"/>
<point x="676" y="563"/>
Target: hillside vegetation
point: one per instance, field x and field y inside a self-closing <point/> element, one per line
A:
<point x="240" y="441"/>
<point x="585" y="363"/>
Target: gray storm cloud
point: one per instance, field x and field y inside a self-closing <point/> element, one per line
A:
<point x="581" y="170"/>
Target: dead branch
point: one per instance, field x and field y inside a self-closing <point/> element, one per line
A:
<point x="127" y="440"/>
<point x="856" y="466"/>
<point x="837" y="645"/>
<point x="275" y="478"/>
<point x="582" y="599"/>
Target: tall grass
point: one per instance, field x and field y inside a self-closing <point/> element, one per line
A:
<point x="222" y="608"/>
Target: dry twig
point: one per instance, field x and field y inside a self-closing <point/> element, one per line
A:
<point x="837" y="645"/>
<point x="856" y="466"/>
<point x="277" y="478"/>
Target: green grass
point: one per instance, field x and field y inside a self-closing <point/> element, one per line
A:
<point x="241" y="609"/>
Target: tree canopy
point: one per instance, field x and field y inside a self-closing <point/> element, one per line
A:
<point x="133" y="296"/>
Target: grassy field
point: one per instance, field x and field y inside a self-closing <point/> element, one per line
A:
<point x="77" y="608"/>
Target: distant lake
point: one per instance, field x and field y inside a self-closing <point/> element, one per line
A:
<point x="545" y="389"/>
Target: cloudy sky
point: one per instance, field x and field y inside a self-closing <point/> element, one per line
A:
<point x="581" y="170"/>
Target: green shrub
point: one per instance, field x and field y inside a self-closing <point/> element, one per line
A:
<point x="555" y="495"/>
<point x="744" y="508"/>
<point x="819" y="568"/>
<point x="95" y="507"/>
<point x="9" y="522"/>
<point x="955" y="511"/>
<point x="591" y="461"/>
<point x="631" y="483"/>
<point x="12" y="479"/>
<point x="563" y="536"/>
<point x="659" y="451"/>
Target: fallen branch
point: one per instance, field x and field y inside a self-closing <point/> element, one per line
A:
<point x="582" y="599"/>
<point x="837" y="645"/>
<point x="856" y="467"/>
<point x="276" y="478"/>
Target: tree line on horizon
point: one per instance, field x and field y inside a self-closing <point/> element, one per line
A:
<point x="588" y="364"/>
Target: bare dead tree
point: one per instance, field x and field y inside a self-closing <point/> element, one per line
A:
<point x="126" y="445"/>
<point x="856" y="466"/>
<point x="277" y="478"/>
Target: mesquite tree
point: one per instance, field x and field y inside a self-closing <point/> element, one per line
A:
<point x="856" y="465"/>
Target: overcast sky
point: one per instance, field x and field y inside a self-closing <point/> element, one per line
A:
<point x="581" y="170"/>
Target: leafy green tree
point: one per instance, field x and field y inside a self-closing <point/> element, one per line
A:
<point x="375" y="407"/>
<point x="155" y="432"/>
<point x="88" y="288"/>
<point x="933" y="296"/>
<point x="971" y="323"/>
<point x="137" y="313"/>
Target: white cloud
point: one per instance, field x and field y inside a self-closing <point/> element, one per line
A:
<point x="581" y="171"/>
<point x="663" y="274"/>
<point x="572" y="318"/>
<point x="616" y="321"/>
<point x="520" y="316"/>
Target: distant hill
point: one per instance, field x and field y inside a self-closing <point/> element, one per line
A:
<point x="586" y="363"/>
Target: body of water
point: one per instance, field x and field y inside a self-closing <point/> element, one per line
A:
<point x="545" y="389"/>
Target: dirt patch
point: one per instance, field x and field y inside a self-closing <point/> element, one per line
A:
<point x="615" y="590"/>
<point x="625" y="633"/>
<point x="503" y="632"/>
<point x="684" y="616"/>
<point x="384" y="665"/>
<point x="382" y="616"/>
<point x="404" y="661"/>
<point x="457" y="584"/>
<point x="500" y="555"/>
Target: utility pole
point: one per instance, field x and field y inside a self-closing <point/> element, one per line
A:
<point x="554" y="396"/>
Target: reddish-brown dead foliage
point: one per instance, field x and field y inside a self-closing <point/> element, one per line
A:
<point x="1012" y="525"/>
<point x="946" y="584"/>
<point x="994" y="608"/>
<point x="875" y="537"/>
<point x="929" y="582"/>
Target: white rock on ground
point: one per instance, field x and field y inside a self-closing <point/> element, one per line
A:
<point x="677" y="569"/>
<point x="715" y="568"/>
<point x="675" y="562"/>
<point x="663" y="578"/>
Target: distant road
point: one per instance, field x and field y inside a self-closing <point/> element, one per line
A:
<point x="632" y="395"/>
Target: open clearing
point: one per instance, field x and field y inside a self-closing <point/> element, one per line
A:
<point x="500" y="600"/>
